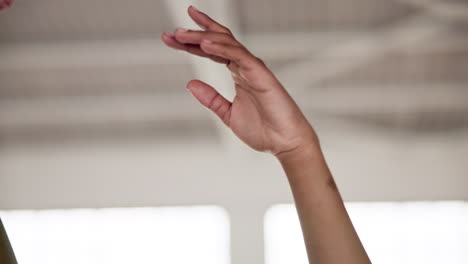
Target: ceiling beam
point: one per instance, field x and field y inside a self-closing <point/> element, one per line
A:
<point x="374" y="44"/>
<point x="89" y="117"/>
<point x="270" y="47"/>
<point x="87" y="54"/>
<point x="359" y="50"/>
<point x="365" y="100"/>
<point x="449" y="11"/>
<point x="81" y="114"/>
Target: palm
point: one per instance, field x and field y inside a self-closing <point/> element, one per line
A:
<point x="246" y="120"/>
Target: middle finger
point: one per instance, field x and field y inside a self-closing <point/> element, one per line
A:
<point x="196" y="37"/>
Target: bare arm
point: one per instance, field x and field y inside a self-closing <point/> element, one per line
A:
<point x="328" y="232"/>
<point x="266" y="118"/>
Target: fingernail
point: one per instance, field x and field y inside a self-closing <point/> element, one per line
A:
<point x="188" y="87"/>
<point x="181" y="30"/>
<point x="194" y="8"/>
<point x="167" y="34"/>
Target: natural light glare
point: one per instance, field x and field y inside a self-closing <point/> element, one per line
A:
<point x="172" y="235"/>
<point x="410" y="232"/>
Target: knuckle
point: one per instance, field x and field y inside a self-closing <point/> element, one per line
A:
<point x="225" y="30"/>
<point x="215" y="102"/>
<point x="229" y="36"/>
<point x="259" y="61"/>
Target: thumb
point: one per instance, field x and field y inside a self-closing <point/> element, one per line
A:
<point x="211" y="99"/>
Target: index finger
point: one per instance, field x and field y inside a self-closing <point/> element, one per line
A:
<point x="206" y="22"/>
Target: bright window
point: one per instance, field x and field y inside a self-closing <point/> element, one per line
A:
<point x="172" y="235"/>
<point x="411" y="232"/>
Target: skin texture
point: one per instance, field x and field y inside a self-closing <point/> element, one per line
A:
<point x="267" y="119"/>
<point x="5" y="4"/>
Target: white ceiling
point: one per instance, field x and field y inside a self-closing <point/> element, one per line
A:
<point x="89" y="63"/>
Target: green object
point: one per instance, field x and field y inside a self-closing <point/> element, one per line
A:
<point x="6" y="252"/>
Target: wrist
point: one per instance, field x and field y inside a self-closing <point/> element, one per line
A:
<point x="305" y="167"/>
<point x="305" y="152"/>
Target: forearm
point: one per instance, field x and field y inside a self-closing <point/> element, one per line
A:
<point x="328" y="232"/>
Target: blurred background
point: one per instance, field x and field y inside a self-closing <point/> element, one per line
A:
<point x="106" y="158"/>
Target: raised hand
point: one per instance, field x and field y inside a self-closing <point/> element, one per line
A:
<point x="265" y="117"/>
<point x="5" y="3"/>
<point x="262" y="114"/>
